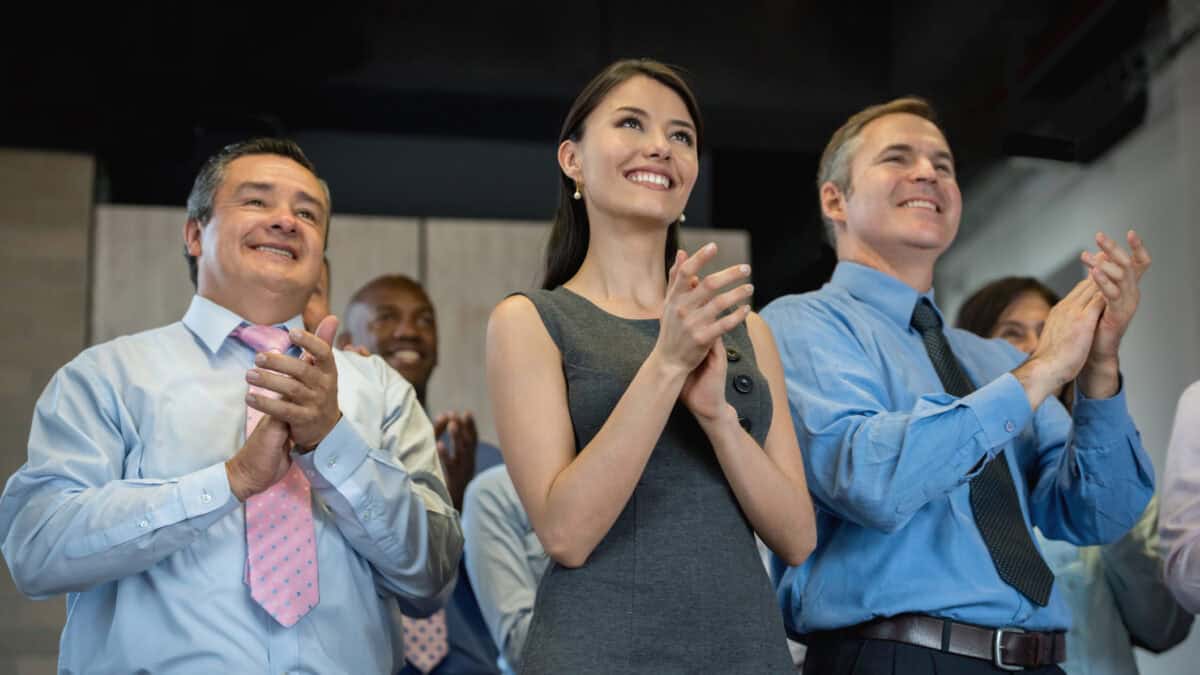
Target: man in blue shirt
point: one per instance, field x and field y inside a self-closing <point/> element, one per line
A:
<point x="131" y="501"/>
<point x="930" y="451"/>
<point x="393" y="317"/>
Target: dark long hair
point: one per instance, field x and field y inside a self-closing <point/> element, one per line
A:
<point x="982" y="310"/>
<point x="568" y="243"/>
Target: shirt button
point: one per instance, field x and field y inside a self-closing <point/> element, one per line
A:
<point x="205" y="497"/>
<point x="332" y="462"/>
<point x="733" y="355"/>
<point x="743" y="383"/>
<point x="144" y="524"/>
<point x="1009" y="426"/>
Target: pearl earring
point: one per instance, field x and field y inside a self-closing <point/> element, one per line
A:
<point x="578" y="195"/>
<point x="682" y="217"/>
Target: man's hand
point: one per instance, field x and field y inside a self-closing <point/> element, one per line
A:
<point x="1064" y="344"/>
<point x="458" y="456"/>
<point x="262" y="461"/>
<point x="307" y="385"/>
<point x="1117" y="273"/>
<point x="357" y="349"/>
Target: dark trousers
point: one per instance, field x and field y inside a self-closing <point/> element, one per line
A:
<point x="856" y="656"/>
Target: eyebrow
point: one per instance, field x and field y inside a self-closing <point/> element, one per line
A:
<point x="257" y="186"/>
<point x="904" y="147"/>
<point x="643" y="113"/>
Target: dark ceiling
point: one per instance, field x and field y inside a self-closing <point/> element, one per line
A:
<point x="151" y="88"/>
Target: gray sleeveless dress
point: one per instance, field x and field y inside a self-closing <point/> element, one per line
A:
<point x="676" y="586"/>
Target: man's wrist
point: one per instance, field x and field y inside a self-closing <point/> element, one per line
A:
<point x="1039" y="379"/>
<point x="237" y="483"/>
<point x="1100" y="378"/>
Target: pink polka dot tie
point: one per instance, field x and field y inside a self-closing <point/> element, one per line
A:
<point x="281" y="555"/>
<point x="425" y="642"/>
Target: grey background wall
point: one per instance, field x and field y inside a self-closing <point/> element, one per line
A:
<point x="1033" y="218"/>
<point x="45" y="217"/>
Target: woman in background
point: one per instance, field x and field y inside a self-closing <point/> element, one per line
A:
<point x="1116" y="592"/>
<point x="642" y="412"/>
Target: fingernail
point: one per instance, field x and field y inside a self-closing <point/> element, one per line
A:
<point x="294" y="334"/>
<point x="253" y="375"/>
<point x="745" y="269"/>
<point x="261" y="359"/>
<point x="749" y="289"/>
<point x="250" y="398"/>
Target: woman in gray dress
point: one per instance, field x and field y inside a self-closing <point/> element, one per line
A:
<point x="642" y="411"/>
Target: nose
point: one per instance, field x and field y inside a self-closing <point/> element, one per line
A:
<point x="658" y="145"/>
<point x="405" y="327"/>
<point x="924" y="170"/>
<point x="283" y="220"/>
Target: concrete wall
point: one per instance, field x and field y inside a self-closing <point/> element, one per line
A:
<point x="45" y="213"/>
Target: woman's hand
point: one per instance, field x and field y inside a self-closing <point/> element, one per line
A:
<point x="704" y="390"/>
<point x="695" y="315"/>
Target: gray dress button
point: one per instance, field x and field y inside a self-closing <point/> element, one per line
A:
<point x="743" y="384"/>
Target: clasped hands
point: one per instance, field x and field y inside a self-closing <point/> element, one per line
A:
<point x="695" y="316"/>
<point x="1082" y="334"/>
<point x="305" y="412"/>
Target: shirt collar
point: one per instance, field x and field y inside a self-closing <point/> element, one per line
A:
<point x="882" y="291"/>
<point x="212" y="323"/>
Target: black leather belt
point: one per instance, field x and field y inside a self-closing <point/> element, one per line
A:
<point x="1006" y="648"/>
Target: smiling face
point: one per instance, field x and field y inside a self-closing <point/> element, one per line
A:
<point x="1022" y="321"/>
<point x="637" y="158"/>
<point x="265" y="238"/>
<point x="903" y="203"/>
<point x="397" y="322"/>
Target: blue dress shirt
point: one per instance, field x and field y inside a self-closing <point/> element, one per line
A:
<point x="124" y="505"/>
<point x="889" y="456"/>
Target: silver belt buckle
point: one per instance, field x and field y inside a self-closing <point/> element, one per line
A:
<point x="996" y="643"/>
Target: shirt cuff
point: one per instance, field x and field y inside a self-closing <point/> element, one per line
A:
<point x="205" y="490"/>
<point x="1100" y="422"/>
<point x="337" y="456"/>
<point x="1001" y="408"/>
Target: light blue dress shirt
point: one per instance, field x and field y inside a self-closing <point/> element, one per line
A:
<point x="505" y="561"/>
<point x="124" y="505"/>
<point x="889" y="455"/>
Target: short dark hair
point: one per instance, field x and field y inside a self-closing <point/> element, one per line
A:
<point x="982" y="310"/>
<point x="834" y="166"/>
<point x="204" y="189"/>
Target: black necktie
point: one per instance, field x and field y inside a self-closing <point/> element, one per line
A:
<point x="993" y="493"/>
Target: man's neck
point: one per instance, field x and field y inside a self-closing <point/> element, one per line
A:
<point x="270" y="310"/>
<point x="915" y="271"/>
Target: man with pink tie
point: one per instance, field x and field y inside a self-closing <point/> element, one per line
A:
<point x="228" y="493"/>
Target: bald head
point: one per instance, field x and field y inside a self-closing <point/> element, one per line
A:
<point x="392" y="316"/>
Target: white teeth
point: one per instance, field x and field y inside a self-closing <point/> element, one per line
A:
<point x="647" y="177"/>
<point x="276" y="251"/>
<point x="407" y="355"/>
<point x="920" y="204"/>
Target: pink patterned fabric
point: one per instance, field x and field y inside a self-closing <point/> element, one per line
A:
<point x="425" y="643"/>
<point x="281" y="554"/>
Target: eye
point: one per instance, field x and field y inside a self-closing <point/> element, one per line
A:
<point x="683" y="137"/>
<point x="944" y="168"/>
<point x="307" y="214"/>
<point x="894" y="158"/>
<point x="255" y="201"/>
<point x="630" y="123"/>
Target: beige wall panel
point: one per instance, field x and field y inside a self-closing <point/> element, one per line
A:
<point x="364" y="247"/>
<point x="474" y="264"/>
<point x="139" y="277"/>
<point x="45" y="214"/>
